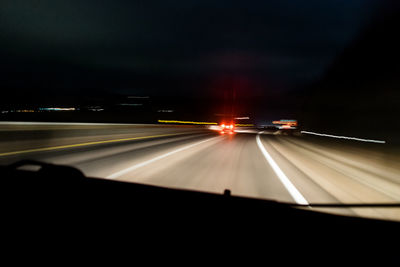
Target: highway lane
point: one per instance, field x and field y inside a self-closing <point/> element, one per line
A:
<point x="349" y="172"/>
<point x="25" y="136"/>
<point x="199" y="159"/>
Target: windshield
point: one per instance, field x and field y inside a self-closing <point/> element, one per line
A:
<point x="291" y="101"/>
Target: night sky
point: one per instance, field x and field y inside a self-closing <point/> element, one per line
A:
<point x="174" y="47"/>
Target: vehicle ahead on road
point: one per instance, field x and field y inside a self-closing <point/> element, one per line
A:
<point x="228" y="128"/>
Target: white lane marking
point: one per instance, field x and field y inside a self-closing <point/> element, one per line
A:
<point x="144" y="163"/>
<point x="346" y="137"/>
<point x="296" y="195"/>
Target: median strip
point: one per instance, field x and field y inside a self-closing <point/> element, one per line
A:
<point x="83" y="144"/>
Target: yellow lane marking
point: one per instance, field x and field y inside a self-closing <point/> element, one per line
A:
<point x="187" y="122"/>
<point x="83" y="144"/>
<point x="244" y="125"/>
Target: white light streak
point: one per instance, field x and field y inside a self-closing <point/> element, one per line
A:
<point x="345" y="137"/>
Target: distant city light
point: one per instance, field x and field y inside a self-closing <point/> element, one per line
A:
<point x="25" y="110"/>
<point x="18" y="110"/>
<point x="57" y="109"/>
<point x="286" y="122"/>
<point x="95" y="108"/>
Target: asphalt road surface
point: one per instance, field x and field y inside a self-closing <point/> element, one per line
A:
<point x="251" y="163"/>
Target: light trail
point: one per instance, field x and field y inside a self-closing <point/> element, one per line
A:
<point x="345" y="137"/>
<point x="187" y="122"/>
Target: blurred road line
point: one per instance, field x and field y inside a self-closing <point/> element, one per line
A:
<point x="345" y="137"/>
<point x="84" y="144"/>
<point x="188" y="122"/>
<point x="297" y="196"/>
<point x="144" y="163"/>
